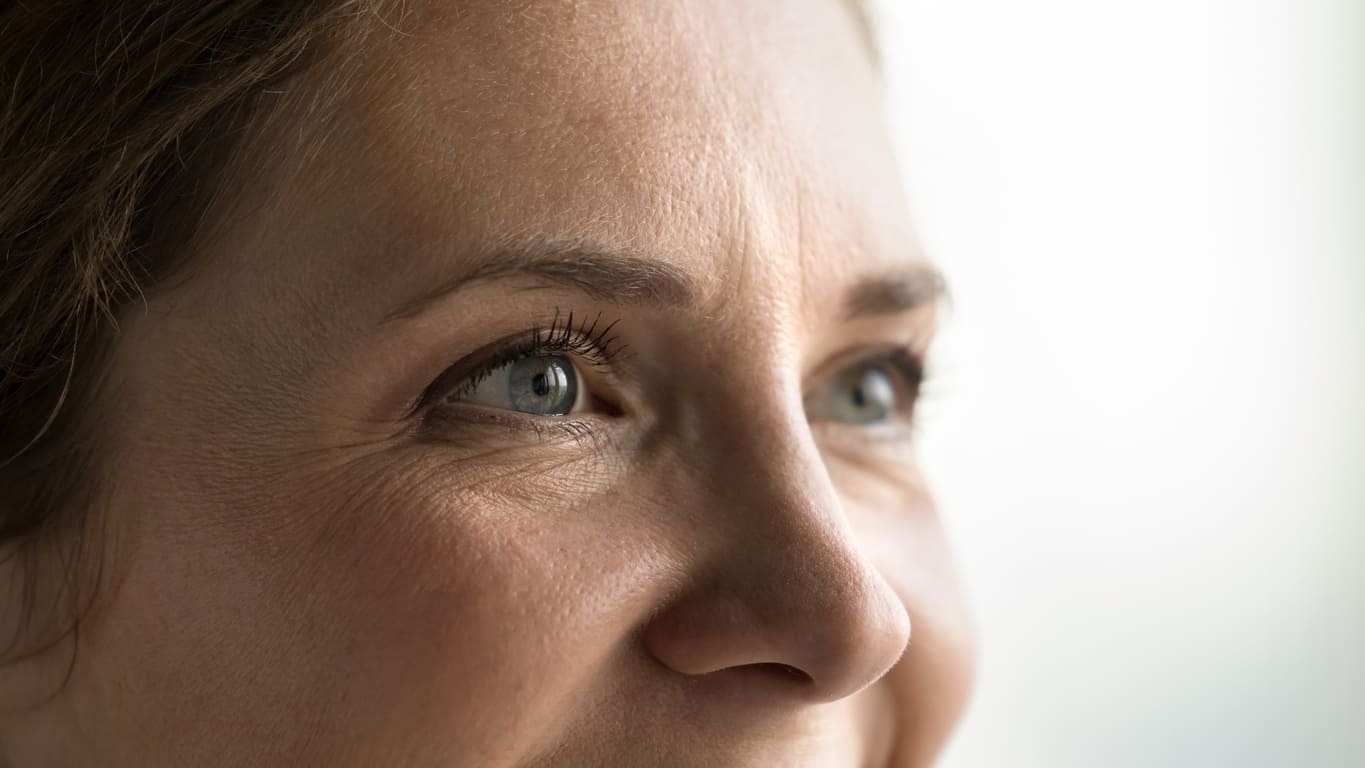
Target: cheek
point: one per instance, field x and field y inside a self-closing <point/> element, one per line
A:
<point x="932" y="681"/>
<point x="372" y="602"/>
<point x="482" y="609"/>
<point x="899" y="527"/>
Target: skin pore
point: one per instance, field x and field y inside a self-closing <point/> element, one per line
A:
<point x="333" y="541"/>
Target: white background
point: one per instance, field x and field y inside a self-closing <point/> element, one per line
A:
<point x="1147" y="420"/>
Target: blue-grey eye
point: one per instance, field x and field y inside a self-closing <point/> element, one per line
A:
<point x="544" y="385"/>
<point x="862" y="394"/>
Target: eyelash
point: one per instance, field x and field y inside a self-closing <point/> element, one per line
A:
<point x="595" y="345"/>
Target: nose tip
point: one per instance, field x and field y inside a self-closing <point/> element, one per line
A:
<point x="814" y="633"/>
<point x="862" y="643"/>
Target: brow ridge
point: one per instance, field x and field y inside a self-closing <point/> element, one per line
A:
<point x="895" y="292"/>
<point x="624" y="277"/>
<point x="603" y="274"/>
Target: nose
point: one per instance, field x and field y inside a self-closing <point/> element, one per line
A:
<point x="780" y="601"/>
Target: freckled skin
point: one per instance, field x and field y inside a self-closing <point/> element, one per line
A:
<point x="301" y="574"/>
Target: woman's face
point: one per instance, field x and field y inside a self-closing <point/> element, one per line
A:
<point x="544" y="400"/>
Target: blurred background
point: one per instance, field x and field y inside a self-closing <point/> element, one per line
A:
<point x="1146" y="422"/>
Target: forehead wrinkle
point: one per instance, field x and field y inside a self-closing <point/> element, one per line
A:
<point x="523" y="147"/>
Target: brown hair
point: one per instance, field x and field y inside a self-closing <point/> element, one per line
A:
<point x="115" y="120"/>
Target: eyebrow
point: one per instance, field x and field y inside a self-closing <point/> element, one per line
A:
<point x="900" y="291"/>
<point x="601" y="274"/>
<point x="623" y="277"/>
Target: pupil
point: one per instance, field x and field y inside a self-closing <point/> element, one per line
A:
<point x="540" y="385"/>
<point x="859" y="397"/>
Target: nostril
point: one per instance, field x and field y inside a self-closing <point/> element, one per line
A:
<point x="785" y="670"/>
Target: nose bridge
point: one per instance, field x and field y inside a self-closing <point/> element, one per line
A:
<point x="786" y="515"/>
<point x="768" y="471"/>
<point x="784" y="583"/>
<point x="765" y="465"/>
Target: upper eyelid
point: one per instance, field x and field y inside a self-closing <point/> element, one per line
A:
<point x="904" y="357"/>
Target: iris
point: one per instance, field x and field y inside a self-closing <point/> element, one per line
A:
<point x="545" y="385"/>
<point x="863" y="394"/>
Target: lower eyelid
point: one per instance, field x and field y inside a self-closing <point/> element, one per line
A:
<point x="484" y="429"/>
<point x="856" y="440"/>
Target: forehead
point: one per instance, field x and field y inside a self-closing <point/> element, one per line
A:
<point x="742" y="141"/>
